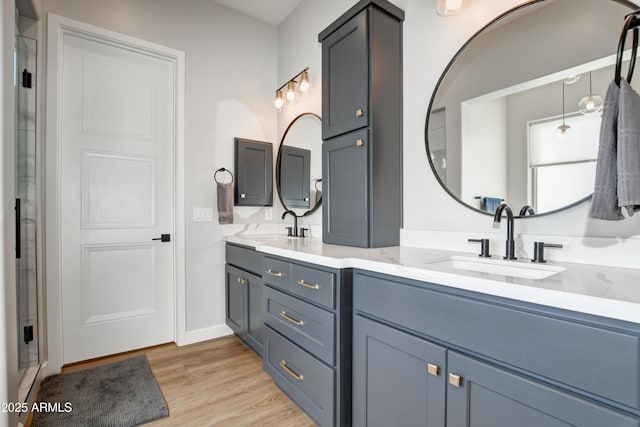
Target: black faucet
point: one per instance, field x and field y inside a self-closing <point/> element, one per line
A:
<point x="510" y="244"/>
<point x="293" y="231"/>
<point x="526" y="209"/>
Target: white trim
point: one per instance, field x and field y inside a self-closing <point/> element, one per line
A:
<point x="209" y="333"/>
<point x="57" y="27"/>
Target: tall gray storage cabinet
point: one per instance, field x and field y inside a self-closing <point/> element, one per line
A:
<point x="362" y="126"/>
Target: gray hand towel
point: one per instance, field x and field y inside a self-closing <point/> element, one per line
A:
<point x="225" y="203"/>
<point x="629" y="149"/>
<point x="604" y="204"/>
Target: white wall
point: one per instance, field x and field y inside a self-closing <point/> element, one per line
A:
<point x="231" y="64"/>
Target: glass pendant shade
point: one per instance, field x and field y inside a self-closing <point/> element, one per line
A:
<point x="563" y="133"/>
<point x="591" y="103"/>
<point x="291" y="91"/>
<point x="450" y="7"/>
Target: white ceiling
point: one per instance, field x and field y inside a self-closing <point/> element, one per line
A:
<point x="270" y="11"/>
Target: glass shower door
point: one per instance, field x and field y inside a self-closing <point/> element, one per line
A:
<point x="27" y="296"/>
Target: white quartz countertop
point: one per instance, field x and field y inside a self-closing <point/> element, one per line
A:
<point x="599" y="290"/>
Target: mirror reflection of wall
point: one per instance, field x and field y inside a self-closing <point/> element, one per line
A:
<point x="299" y="165"/>
<point x="503" y="97"/>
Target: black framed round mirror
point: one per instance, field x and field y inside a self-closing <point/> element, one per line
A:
<point x="490" y="130"/>
<point x="299" y="165"/>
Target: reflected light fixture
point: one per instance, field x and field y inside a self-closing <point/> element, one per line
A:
<point x="450" y="7"/>
<point x="298" y="84"/>
<point x="564" y="132"/>
<point x="591" y="103"/>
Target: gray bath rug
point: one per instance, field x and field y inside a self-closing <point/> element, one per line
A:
<point x="121" y="394"/>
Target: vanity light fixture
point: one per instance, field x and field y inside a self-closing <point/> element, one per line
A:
<point x="591" y="103"/>
<point x="450" y="7"/>
<point x="563" y="132"/>
<point x="294" y="87"/>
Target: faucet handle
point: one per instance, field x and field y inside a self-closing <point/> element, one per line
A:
<point x="289" y="231"/>
<point x="538" y="250"/>
<point x="484" y="247"/>
<point x="303" y="232"/>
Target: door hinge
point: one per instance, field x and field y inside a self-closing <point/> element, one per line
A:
<point x="26" y="79"/>
<point x="28" y="334"/>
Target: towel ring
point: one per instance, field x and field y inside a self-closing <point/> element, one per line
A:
<point x="215" y="175"/>
<point x="319" y="180"/>
<point x="631" y="22"/>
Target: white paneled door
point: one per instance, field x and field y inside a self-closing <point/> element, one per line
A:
<point x="116" y="191"/>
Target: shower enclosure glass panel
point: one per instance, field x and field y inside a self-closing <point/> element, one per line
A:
<point x="27" y="297"/>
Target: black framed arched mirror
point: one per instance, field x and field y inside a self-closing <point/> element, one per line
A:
<point x="491" y="128"/>
<point x="299" y="165"/>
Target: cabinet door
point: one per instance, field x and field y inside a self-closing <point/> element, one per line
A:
<point x="398" y="379"/>
<point x="294" y="176"/>
<point x="254" y="173"/>
<point x="236" y="299"/>
<point x="256" y="310"/>
<point x="482" y="395"/>
<point x="345" y="78"/>
<point x="346" y="189"/>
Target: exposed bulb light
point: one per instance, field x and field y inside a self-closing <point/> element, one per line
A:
<point x="278" y="103"/>
<point x="591" y="103"/>
<point x="450" y="7"/>
<point x="304" y="82"/>
<point x="291" y="91"/>
<point x="564" y="132"/>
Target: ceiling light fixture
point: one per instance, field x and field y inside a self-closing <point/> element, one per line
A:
<point x="294" y="86"/>
<point x="450" y="7"/>
<point x="563" y="132"/>
<point x="591" y="103"/>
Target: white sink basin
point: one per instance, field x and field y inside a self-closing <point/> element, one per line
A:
<point x="520" y="269"/>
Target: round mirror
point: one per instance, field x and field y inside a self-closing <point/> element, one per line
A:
<point x="299" y="165"/>
<point x="515" y="117"/>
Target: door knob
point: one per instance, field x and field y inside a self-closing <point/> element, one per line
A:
<point x="163" y="238"/>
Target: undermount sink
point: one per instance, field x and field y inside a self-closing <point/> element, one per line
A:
<point x="518" y="269"/>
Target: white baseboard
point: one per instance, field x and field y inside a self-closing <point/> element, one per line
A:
<point x="205" y="334"/>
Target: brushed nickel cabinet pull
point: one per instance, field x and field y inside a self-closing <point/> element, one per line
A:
<point x="455" y="380"/>
<point x="359" y="112"/>
<point x="296" y="322"/>
<point x="315" y="286"/>
<point x="274" y="273"/>
<point x="291" y="372"/>
<point x="433" y="369"/>
<point x="359" y="142"/>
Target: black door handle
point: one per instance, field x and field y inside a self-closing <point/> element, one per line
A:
<point x="163" y="238"/>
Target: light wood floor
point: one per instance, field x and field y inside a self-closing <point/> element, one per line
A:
<point x="214" y="383"/>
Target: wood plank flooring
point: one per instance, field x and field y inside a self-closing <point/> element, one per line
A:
<point x="213" y="383"/>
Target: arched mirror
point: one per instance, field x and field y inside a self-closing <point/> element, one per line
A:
<point x="494" y="126"/>
<point x="299" y="165"/>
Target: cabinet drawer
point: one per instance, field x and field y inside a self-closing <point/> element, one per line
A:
<point x="308" y="326"/>
<point x="594" y="359"/>
<point x="245" y="258"/>
<point x="306" y="380"/>
<point x="276" y="272"/>
<point x="313" y="284"/>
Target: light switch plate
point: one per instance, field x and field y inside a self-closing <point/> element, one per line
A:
<point x="202" y="214"/>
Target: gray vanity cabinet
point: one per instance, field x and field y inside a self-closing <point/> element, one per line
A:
<point x="488" y="396"/>
<point x="244" y="295"/>
<point x="399" y="379"/>
<point x="308" y="336"/>
<point x="362" y="120"/>
<point x="254" y="173"/>
<point x="295" y="176"/>
<point x="505" y="362"/>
